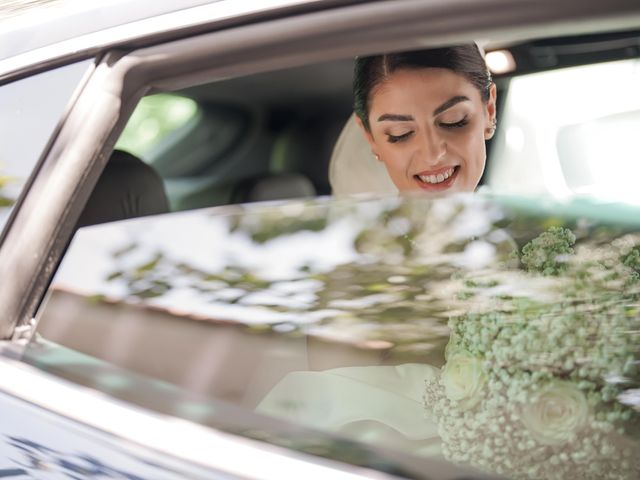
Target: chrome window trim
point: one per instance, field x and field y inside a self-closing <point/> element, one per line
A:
<point x="170" y="436"/>
<point x="33" y="246"/>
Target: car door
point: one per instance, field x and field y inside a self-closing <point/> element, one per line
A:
<point x="225" y="46"/>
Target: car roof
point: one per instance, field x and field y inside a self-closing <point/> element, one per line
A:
<point x="35" y="26"/>
<point x="61" y="30"/>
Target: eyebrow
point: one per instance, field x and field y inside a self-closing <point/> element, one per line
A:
<point x="450" y="103"/>
<point x="394" y="117"/>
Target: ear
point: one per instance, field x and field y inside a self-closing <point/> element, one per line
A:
<point x="490" y="128"/>
<point x="368" y="136"/>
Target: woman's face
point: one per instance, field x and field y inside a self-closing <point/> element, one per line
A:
<point x="429" y="126"/>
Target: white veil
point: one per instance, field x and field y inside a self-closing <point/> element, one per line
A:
<point x="353" y="169"/>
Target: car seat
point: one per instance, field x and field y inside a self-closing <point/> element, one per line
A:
<point x="277" y="186"/>
<point x="305" y="148"/>
<point x="127" y="188"/>
<point x="299" y="162"/>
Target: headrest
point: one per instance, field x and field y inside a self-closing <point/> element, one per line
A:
<point x="353" y="169"/>
<point x="127" y="188"/>
<point x="274" y="187"/>
<point x="305" y="148"/>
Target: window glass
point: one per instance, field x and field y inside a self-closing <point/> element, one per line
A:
<point x="31" y="110"/>
<point x="571" y="131"/>
<point x="491" y="333"/>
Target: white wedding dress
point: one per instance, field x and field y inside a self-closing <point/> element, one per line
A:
<point x="375" y="404"/>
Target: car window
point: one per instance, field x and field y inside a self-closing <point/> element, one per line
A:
<point x="497" y="333"/>
<point x="31" y="110"/>
<point x="569" y="134"/>
<point x="442" y="329"/>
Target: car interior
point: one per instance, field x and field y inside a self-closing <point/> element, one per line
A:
<point x="270" y="136"/>
<point x="264" y="137"/>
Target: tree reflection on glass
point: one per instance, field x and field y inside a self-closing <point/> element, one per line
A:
<point x="530" y="320"/>
<point x="412" y="265"/>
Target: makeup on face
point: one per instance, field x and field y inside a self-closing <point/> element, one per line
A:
<point x="427" y="126"/>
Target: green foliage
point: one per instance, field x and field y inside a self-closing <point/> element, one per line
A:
<point x="5" y="201"/>
<point x="547" y="253"/>
<point x="407" y="278"/>
<point x="276" y="223"/>
<point x="632" y="259"/>
<point x="154" y="118"/>
<point x="287" y="227"/>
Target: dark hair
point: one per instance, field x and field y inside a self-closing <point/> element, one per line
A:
<point x="369" y="72"/>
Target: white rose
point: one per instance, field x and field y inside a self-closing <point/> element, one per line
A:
<point x="463" y="378"/>
<point x="555" y="413"/>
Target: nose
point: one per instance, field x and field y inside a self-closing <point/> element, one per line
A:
<point x="432" y="148"/>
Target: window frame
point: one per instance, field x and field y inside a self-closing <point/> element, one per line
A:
<point x="57" y="125"/>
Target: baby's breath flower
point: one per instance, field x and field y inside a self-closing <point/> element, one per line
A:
<point x="530" y="391"/>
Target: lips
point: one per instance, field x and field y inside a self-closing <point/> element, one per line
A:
<point x="435" y="180"/>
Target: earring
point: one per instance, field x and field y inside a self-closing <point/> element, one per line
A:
<point x="492" y="128"/>
<point x="377" y="157"/>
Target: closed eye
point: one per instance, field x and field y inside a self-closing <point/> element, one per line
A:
<point x="454" y="125"/>
<point x="398" y="138"/>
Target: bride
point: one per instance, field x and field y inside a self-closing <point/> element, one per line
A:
<point x="424" y="115"/>
<point x="529" y="389"/>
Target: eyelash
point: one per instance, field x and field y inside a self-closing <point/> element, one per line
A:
<point x="459" y="124"/>
<point x="448" y="126"/>
<point x="398" y="138"/>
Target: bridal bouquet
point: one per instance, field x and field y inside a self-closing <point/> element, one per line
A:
<point x="532" y="390"/>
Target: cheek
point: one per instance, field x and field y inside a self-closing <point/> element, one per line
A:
<point x="473" y="151"/>
<point x="394" y="167"/>
<point x="397" y="163"/>
<point x="395" y="156"/>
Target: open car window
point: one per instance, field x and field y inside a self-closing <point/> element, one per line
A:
<point x="273" y="135"/>
<point x="265" y="136"/>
